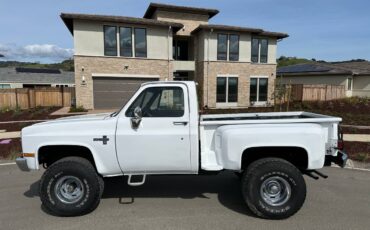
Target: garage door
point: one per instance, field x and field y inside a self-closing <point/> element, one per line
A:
<point x="113" y="93"/>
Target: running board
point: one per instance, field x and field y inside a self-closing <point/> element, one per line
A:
<point x="137" y="183"/>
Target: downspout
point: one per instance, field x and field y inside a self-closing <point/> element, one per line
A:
<point x="209" y="35"/>
<point x="168" y="52"/>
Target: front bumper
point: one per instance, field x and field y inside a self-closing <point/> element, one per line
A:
<point x="22" y="164"/>
<point x="340" y="159"/>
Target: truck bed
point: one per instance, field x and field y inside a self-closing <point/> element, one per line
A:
<point x="266" y="118"/>
<point x="209" y="124"/>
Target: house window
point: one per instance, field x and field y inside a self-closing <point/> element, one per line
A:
<point x="233" y="47"/>
<point x="227" y="43"/>
<point x="258" y="90"/>
<point x="4" y="86"/>
<point x="227" y="90"/>
<point x="259" y="50"/>
<point x="222" y="47"/>
<point x="110" y="41"/>
<point x="349" y="83"/>
<point x="125" y="37"/>
<point x="140" y="42"/>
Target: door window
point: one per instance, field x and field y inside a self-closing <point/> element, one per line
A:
<point x="159" y="102"/>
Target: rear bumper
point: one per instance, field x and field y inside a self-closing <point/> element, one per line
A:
<point x="340" y="159"/>
<point x="22" y="164"/>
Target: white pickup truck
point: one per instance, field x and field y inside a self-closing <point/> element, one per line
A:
<point x="160" y="131"/>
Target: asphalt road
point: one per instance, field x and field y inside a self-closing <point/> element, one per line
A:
<point x="188" y="202"/>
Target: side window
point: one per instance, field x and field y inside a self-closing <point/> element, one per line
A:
<point x="159" y="102"/>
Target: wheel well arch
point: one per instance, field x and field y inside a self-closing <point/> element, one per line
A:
<point x="298" y="156"/>
<point x="51" y="153"/>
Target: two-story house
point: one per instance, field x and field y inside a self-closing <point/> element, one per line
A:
<point x="234" y="66"/>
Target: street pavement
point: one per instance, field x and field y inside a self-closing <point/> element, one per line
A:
<point x="188" y="202"/>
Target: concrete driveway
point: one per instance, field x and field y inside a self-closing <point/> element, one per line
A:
<point x="188" y="202"/>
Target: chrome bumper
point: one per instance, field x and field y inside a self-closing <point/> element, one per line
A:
<point x="340" y="159"/>
<point x="22" y="164"/>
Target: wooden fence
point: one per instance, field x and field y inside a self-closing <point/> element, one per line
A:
<point x="29" y="98"/>
<point x="300" y="92"/>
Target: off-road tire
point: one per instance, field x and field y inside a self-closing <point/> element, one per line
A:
<point x="260" y="170"/>
<point x="83" y="170"/>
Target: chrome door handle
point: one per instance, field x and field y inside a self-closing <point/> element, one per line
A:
<point x="180" y="122"/>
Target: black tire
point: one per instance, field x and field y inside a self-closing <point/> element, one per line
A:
<point x="259" y="194"/>
<point x="82" y="179"/>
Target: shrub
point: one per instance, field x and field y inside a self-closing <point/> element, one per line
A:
<point x="363" y="157"/>
<point x="77" y="109"/>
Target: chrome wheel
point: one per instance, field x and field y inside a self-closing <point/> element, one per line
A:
<point x="275" y="191"/>
<point x="69" y="189"/>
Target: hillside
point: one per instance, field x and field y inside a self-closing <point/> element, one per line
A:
<point x="285" y="61"/>
<point x="66" y="65"/>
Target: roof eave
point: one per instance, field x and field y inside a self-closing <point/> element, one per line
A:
<point x="155" y="6"/>
<point x="68" y="21"/>
<point x="312" y="73"/>
<point x="255" y="31"/>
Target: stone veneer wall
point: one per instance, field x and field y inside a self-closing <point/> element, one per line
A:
<point x="113" y="65"/>
<point x="243" y="70"/>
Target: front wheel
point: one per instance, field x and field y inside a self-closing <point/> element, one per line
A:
<point x="273" y="188"/>
<point x="71" y="187"/>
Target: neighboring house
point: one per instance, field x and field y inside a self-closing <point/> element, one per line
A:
<point x="354" y="76"/>
<point x="234" y="66"/>
<point x="19" y="77"/>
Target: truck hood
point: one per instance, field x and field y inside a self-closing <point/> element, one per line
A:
<point x="79" y="118"/>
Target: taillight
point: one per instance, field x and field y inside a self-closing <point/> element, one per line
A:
<point x="340" y="144"/>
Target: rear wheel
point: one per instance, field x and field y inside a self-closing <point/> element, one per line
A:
<point x="71" y="187"/>
<point x="273" y="188"/>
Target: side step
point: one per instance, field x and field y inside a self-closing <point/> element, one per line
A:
<point x="136" y="183"/>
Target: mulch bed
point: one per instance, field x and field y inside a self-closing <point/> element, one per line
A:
<point x="350" y="130"/>
<point x="38" y="113"/>
<point x="357" y="150"/>
<point x="353" y="111"/>
<point x="10" y="150"/>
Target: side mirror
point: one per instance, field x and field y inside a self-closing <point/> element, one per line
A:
<point x="135" y="121"/>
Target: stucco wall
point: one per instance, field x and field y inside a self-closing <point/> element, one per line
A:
<point x="361" y="83"/>
<point x="89" y="39"/>
<point x="244" y="46"/>
<point x="190" y="21"/>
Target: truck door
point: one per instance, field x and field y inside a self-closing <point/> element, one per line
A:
<point x="159" y="141"/>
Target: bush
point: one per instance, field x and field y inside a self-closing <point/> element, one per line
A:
<point x="77" y="109"/>
<point x="362" y="157"/>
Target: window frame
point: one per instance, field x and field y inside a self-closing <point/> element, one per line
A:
<point x="146" y="42"/>
<point x="138" y="94"/>
<point x="131" y="39"/>
<point x="259" y="39"/>
<point x="349" y="84"/>
<point x="227" y="47"/>
<point x="258" y="102"/>
<point x="238" y="42"/>
<point x="227" y="103"/>
<point x="116" y="48"/>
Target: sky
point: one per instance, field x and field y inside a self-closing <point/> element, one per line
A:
<point x="331" y="30"/>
